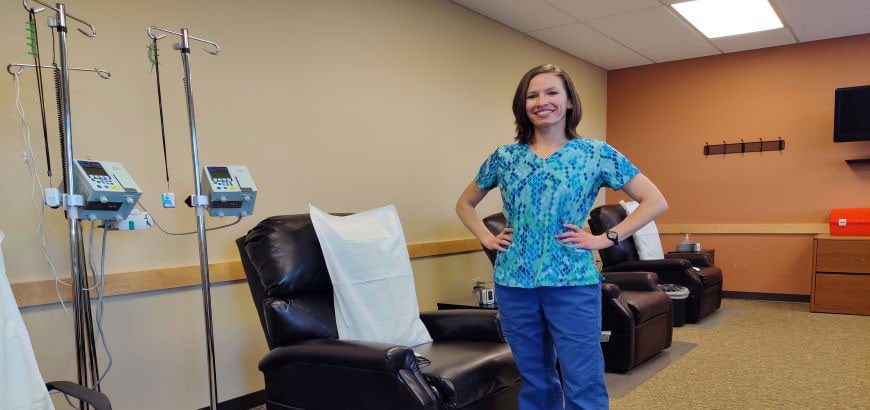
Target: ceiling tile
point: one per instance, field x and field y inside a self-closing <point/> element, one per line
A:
<point x="578" y="39"/>
<point x="521" y="15"/>
<point x="752" y="41"/>
<point x="617" y="60"/>
<point x="592" y="9"/>
<point x="816" y="20"/>
<point x="679" y="51"/>
<point x="646" y="29"/>
<point x="582" y="41"/>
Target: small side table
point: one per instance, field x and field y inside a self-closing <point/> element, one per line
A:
<point x="710" y="252"/>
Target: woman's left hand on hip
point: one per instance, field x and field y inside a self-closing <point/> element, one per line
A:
<point x="579" y="238"/>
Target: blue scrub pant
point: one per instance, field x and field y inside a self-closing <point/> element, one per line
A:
<point x="544" y="323"/>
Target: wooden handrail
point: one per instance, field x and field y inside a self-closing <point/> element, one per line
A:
<point x="43" y="292"/>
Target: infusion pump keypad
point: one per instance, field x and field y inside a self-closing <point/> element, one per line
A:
<point x="104" y="182"/>
<point x="226" y="184"/>
<point x="222" y="179"/>
<point x="97" y="174"/>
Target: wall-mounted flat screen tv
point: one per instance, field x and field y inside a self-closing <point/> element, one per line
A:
<point x="852" y="114"/>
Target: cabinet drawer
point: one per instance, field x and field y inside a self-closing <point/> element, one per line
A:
<point x="842" y="290"/>
<point x="843" y="256"/>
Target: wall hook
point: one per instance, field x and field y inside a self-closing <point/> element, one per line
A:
<point x="743" y="147"/>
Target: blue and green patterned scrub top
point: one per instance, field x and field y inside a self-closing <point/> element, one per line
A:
<point x="539" y="196"/>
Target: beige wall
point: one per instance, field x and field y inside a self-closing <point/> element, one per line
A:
<point x="347" y="105"/>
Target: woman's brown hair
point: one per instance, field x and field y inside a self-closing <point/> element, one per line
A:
<point x="525" y="129"/>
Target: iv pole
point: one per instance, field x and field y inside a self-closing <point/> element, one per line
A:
<point x="198" y="200"/>
<point x="86" y="352"/>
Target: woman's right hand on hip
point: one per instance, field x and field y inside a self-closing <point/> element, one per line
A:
<point x="501" y="241"/>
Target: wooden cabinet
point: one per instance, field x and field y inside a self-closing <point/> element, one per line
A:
<point x="841" y="275"/>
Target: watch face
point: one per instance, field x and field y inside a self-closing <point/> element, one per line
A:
<point x="613" y="236"/>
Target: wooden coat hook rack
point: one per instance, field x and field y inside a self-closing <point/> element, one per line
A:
<point x="743" y="147"/>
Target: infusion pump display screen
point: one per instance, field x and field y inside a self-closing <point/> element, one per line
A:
<point x="219" y="172"/>
<point x="93" y="168"/>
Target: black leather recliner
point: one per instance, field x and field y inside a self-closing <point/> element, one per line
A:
<point x="698" y="274"/>
<point x="638" y="315"/>
<point x="467" y="366"/>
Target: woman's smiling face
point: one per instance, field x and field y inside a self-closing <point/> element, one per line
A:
<point x="546" y="101"/>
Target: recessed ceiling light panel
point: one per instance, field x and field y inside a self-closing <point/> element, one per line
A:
<point x="721" y="18"/>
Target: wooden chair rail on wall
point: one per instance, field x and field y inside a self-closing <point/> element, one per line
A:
<point x="43" y="292"/>
<point x="751" y="229"/>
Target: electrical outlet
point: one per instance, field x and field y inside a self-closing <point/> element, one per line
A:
<point x="475" y="284"/>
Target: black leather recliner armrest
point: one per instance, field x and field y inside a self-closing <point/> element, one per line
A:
<point x="676" y="271"/>
<point x="463" y="325"/>
<point x="701" y="260"/>
<point x="467" y="325"/>
<point x="345" y="353"/>
<point x="651" y="265"/>
<point x="638" y="281"/>
<point x="616" y="314"/>
<point x="97" y="400"/>
<point x="610" y="290"/>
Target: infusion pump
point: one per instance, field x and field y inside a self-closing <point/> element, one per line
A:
<point x="230" y="190"/>
<point x="108" y="191"/>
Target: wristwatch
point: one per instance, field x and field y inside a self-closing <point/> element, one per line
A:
<point x="613" y="236"/>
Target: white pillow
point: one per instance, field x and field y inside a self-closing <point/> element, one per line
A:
<point x="646" y="239"/>
<point x="22" y="386"/>
<point x="371" y="275"/>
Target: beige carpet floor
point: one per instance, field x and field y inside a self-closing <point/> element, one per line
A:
<point x="620" y="384"/>
<point x="772" y="355"/>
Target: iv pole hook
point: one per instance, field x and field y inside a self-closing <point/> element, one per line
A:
<point x="100" y="72"/>
<point x="217" y="48"/>
<point x="93" y="32"/>
<point x="15" y="74"/>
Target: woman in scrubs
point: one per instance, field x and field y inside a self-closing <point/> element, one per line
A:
<point x="547" y="284"/>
